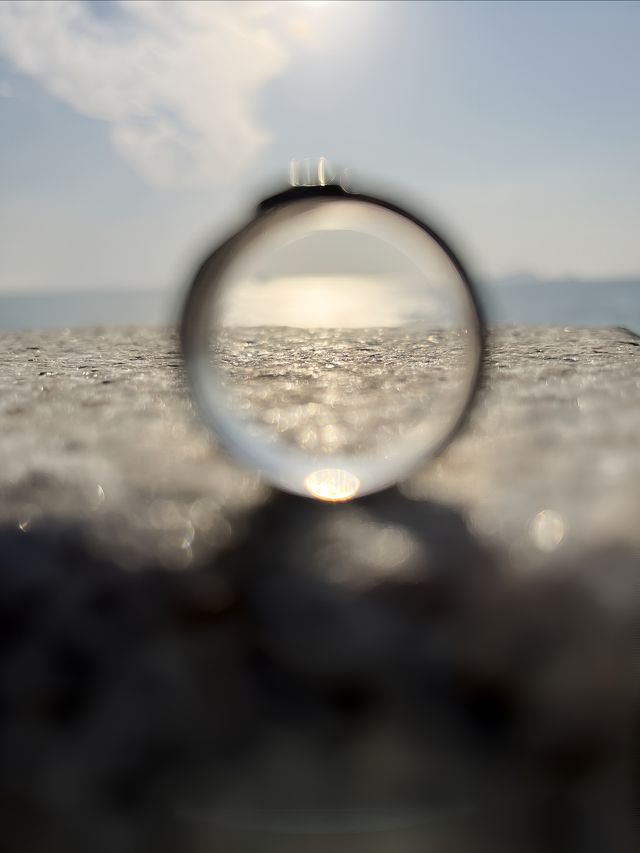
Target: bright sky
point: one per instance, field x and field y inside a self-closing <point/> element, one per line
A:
<point x="133" y="134"/>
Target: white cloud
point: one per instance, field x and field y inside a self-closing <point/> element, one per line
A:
<point x="6" y="89"/>
<point x="177" y="82"/>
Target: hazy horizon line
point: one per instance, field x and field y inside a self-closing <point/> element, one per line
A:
<point x="521" y="276"/>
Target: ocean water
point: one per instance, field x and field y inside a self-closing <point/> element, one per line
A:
<point x="517" y="301"/>
<point x="563" y="303"/>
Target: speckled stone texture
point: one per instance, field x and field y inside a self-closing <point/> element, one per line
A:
<point x="346" y="391"/>
<point x="189" y="661"/>
<point x="96" y="428"/>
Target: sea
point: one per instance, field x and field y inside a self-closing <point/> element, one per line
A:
<point x="519" y="300"/>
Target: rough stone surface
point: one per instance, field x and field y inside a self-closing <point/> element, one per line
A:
<point x="188" y="661"/>
<point x="96" y="427"/>
<point x="346" y="391"/>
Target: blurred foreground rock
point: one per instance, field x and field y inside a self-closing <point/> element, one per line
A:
<point x="191" y="662"/>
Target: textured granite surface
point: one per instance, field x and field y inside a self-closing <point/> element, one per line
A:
<point x="96" y="427"/>
<point x="451" y="666"/>
<point x="331" y="391"/>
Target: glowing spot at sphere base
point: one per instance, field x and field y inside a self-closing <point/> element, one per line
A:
<point x="332" y="484"/>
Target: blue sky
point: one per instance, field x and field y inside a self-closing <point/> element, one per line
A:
<point x="134" y="135"/>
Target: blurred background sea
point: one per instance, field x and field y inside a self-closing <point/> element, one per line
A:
<point x="519" y="299"/>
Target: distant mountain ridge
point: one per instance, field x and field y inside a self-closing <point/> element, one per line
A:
<point x="520" y="299"/>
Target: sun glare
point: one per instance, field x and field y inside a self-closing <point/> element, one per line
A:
<point x="332" y="485"/>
